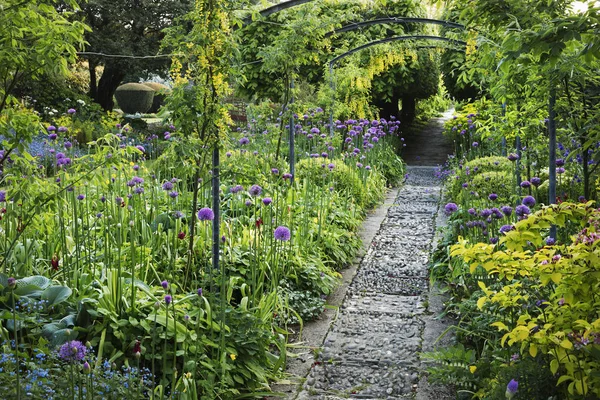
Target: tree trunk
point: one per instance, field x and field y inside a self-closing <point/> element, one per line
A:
<point x="409" y="105"/>
<point x="93" y="82"/>
<point x="110" y="80"/>
<point x="387" y="109"/>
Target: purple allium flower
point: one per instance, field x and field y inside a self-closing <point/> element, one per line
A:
<point x="507" y="210"/>
<point x="493" y="240"/>
<point x="486" y="212"/>
<point x="167" y="185"/>
<point x="178" y="215"/>
<point x="173" y="194"/>
<point x="522" y="210"/>
<point x="72" y="351"/>
<point x="140" y="148"/>
<point x="99" y="215"/>
<point x="118" y="200"/>
<point x="206" y="214"/>
<point x="228" y="154"/>
<point x="535" y="181"/>
<point x="81" y="197"/>
<point x="244" y="141"/>
<point x="236" y="189"/>
<point x="506" y="228"/>
<point x="199" y="292"/>
<point x="267" y="200"/>
<point x="465" y="185"/>
<point x="274" y="171"/>
<point x="368" y="167"/>
<point x="51" y="128"/>
<point x="68" y="145"/>
<point x="496" y="213"/>
<point x="475" y="144"/>
<point x="52" y="136"/>
<point x="71" y="111"/>
<point x="331" y="166"/>
<point x="168" y="299"/>
<point x="529" y="201"/>
<point x="62" y="129"/>
<point x="513" y="157"/>
<point x="472" y="211"/>
<point x="560" y="162"/>
<point x="286" y="176"/>
<point x="2" y="196"/>
<point x="248" y="203"/>
<point x="560" y="170"/>
<point x="511" y="389"/>
<point x="525" y="184"/>
<point x="255" y="190"/>
<point x="12" y="282"/>
<point x="315" y="131"/>
<point x="492" y="196"/>
<point x="282" y="233"/>
<point x="550" y="241"/>
<point x="450" y="208"/>
<point x="164" y="284"/>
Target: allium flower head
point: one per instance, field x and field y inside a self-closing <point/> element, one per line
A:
<point x="529" y="201"/>
<point x="511" y="389"/>
<point x="71" y="111"/>
<point x="513" y="157"/>
<point x="507" y="210"/>
<point x="492" y="196"/>
<point x="2" y="196"/>
<point x="560" y="162"/>
<point x="550" y="241"/>
<point x="535" y="181"/>
<point x="267" y="200"/>
<point x="164" y="284"/>
<point x="168" y="299"/>
<point x="206" y="214"/>
<point x="282" y="233"/>
<point x="244" y="141"/>
<point x="506" y="228"/>
<point x="522" y="210"/>
<point x="525" y="184"/>
<point x="450" y="208"/>
<point x="255" y="190"/>
<point x="72" y="351"/>
<point x="167" y="185"/>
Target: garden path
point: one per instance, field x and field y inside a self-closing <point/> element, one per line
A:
<point x="371" y="350"/>
<point x="427" y="145"/>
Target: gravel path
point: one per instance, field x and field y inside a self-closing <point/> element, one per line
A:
<point x="371" y="350"/>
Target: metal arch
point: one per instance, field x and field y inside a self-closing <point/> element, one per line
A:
<point x="395" y="20"/>
<point x="376" y="42"/>
<point x="393" y="39"/>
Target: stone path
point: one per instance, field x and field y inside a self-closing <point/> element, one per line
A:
<point x="427" y="145"/>
<point x="371" y="350"/>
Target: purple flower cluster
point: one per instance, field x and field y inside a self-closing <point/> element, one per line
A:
<point x="72" y="351"/>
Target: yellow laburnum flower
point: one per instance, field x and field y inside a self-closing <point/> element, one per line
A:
<point x="473" y="368"/>
<point x="232" y="356"/>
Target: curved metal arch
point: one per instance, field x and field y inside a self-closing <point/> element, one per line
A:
<point x="395" y="20"/>
<point x="394" y="39"/>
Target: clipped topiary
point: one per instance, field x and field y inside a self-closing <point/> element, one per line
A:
<point x="134" y="98"/>
<point x="160" y="94"/>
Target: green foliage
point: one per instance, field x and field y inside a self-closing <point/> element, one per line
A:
<point x="542" y="295"/>
<point x="134" y="97"/>
<point x="160" y="94"/>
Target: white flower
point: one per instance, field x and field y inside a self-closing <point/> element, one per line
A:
<point x="81" y="102"/>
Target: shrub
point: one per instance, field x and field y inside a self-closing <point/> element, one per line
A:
<point x="134" y="98"/>
<point x="160" y="93"/>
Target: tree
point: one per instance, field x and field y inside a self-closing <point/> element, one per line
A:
<point x="35" y="40"/>
<point x="299" y="39"/>
<point x="126" y="27"/>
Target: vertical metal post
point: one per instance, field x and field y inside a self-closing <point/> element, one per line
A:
<point x="503" y="136"/>
<point x="215" y="206"/>
<point x="292" y="134"/>
<point x="552" y="157"/>
<point x="332" y="87"/>
<point x="518" y="163"/>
